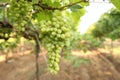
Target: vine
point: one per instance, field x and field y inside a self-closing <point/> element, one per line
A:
<point x="43" y="21"/>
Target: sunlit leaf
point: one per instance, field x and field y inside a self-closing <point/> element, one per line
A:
<point x="116" y="3"/>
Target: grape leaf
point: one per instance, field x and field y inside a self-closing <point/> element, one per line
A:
<point x="75" y="8"/>
<point x="35" y="1"/>
<point x="43" y="16"/>
<point x="116" y="3"/>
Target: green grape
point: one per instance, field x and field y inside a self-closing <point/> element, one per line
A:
<point x="63" y="36"/>
<point x="56" y="38"/>
<point x="15" y="25"/>
<point x="59" y="31"/>
<point x="57" y="68"/>
<point x="57" y="59"/>
<point x="63" y="28"/>
<point x="57" y="25"/>
<point x="49" y="22"/>
<point x="55" y="33"/>
<point x="22" y="24"/>
<point x="57" y="55"/>
<point x="20" y="11"/>
<point x="43" y="29"/>
<point x="54" y="19"/>
<point x="55" y="29"/>
<point x="67" y="35"/>
<point x="58" y="35"/>
<point x="17" y="15"/>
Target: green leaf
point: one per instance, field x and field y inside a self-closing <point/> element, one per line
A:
<point x="3" y="0"/>
<point x="35" y="1"/>
<point x="44" y="15"/>
<point x="116" y="3"/>
<point x="75" y="8"/>
<point x="77" y="62"/>
<point x="56" y="4"/>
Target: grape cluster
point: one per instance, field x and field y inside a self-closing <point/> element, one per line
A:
<point x="20" y="12"/>
<point x="54" y="34"/>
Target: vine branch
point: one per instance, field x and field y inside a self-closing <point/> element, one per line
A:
<point x="61" y="8"/>
<point x="3" y="4"/>
<point x="49" y="7"/>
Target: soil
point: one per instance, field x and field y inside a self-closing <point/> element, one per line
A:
<point x="100" y="67"/>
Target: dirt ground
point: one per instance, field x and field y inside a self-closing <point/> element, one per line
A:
<point x="100" y="67"/>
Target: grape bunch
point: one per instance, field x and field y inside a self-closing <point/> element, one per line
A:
<point x="54" y="33"/>
<point x="20" y="12"/>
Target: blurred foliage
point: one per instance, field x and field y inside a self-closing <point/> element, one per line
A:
<point x="30" y="19"/>
<point x="85" y="42"/>
<point x="76" y="61"/>
<point x="9" y="44"/>
<point x="108" y="25"/>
